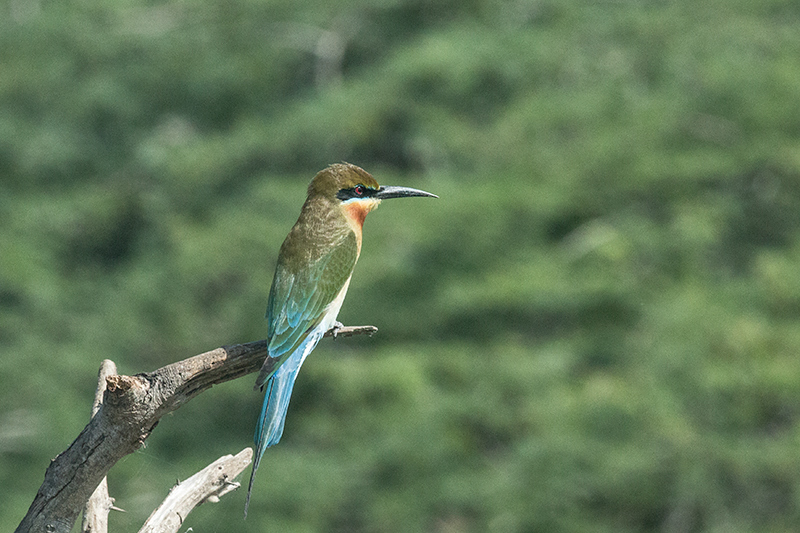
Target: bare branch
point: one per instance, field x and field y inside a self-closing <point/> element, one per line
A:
<point x="208" y="485"/>
<point x="349" y="331"/>
<point x="131" y="409"/>
<point x="95" y="514"/>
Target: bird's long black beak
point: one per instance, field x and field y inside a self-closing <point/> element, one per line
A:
<point x="389" y="191"/>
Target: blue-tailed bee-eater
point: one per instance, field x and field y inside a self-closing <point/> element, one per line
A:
<point x="314" y="268"/>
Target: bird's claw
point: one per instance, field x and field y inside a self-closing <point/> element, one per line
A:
<point x="335" y="329"/>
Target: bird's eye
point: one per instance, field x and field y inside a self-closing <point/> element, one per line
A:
<point x="359" y="190"/>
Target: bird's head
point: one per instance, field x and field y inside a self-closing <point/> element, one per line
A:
<point x="356" y="191"/>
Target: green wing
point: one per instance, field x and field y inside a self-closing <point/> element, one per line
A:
<point x="299" y="298"/>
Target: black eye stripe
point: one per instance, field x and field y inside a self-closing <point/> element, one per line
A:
<point x="359" y="191"/>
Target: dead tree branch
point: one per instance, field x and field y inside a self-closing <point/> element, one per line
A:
<point x="349" y="331"/>
<point x="95" y="514"/>
<point x="208" y="485"/>
<point x="131" y="409"/>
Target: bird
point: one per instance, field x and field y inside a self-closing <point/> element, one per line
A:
<point x="314" y="268"/>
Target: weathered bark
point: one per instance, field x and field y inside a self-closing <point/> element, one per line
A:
<point x="95" y="514"/>
<point x="208" y="485"/>
<point x="131" y="409"/>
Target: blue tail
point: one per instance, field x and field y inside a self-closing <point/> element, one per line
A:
<point x="276" y="403"/>
<point x="278" y="391"/>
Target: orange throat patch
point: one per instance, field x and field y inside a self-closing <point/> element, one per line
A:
<point x="356" y="211"/>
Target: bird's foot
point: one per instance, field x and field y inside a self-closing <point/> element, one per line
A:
<point x="337" y="326"/>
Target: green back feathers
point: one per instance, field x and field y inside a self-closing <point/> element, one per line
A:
<point x="299" y="298"/>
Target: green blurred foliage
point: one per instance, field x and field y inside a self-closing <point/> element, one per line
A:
<point x="595" y="328"/>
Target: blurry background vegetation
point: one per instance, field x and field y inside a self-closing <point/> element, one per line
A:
<point x="595" y="328"/>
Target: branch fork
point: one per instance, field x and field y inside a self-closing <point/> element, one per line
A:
<point x="125" y="411"/>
